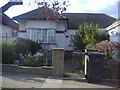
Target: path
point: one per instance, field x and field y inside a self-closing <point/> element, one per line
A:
<point x="36" y="81"/>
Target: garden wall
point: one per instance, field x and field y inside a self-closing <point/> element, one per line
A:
<point x="113" y="72"/>
<point x="46" y="71"/>
<point x="57" y="68"/>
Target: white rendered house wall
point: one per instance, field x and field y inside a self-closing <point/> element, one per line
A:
<point x="114" y="31"/>
<point x="8" y="33"/>
<point x="58" y="27"/>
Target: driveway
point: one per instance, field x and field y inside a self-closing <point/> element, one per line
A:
<point x="35" y="81"/>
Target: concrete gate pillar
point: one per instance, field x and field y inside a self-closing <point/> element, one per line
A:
<point x="58" y="62"/>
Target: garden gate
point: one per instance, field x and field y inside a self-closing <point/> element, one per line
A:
<point x="74" y="62"/>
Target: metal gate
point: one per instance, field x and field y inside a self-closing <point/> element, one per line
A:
<point x="74" y="63"/>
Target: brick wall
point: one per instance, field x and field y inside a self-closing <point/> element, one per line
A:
<point x="46" y="71"/>
<point x="58" y="61"/>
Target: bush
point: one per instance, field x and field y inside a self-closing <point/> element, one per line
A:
<point x="107" y="48"/>
<point x="87" y="36"/>
<point x="24" y="45"/>
<point x="8" y="52"/>
<point x="37" y="60"/>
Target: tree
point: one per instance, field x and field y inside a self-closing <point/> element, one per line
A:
<point x="87" y="36"/>
<point x="79" y="45"/>
<point x="59" y="6"/>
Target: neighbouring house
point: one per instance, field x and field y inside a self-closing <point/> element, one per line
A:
<point x="8" y="27"/>
<point x="114" y="31"/>
<point x="39" y="25"/>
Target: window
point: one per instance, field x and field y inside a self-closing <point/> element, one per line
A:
<point x="41" y="35"/>
<point x="14" y="33"/>
<point x="6" y="36"/>
<point x="71" y="38"/>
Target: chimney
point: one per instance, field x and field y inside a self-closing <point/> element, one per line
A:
<point x="11" y="3"/>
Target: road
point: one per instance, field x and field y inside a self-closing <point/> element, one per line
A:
<point x="35" y="81"/>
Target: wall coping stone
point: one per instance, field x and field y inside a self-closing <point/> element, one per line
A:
<point x="58" y="49"/>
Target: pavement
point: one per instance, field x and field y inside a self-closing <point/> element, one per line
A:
<point x="12" y="80"/>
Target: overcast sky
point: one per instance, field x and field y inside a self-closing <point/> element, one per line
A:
<point x="109" y="7"/>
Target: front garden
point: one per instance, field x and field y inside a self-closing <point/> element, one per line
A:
<point x="26" y="53"/>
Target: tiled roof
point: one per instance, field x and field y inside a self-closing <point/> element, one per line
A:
<point x="4" y="19"/>
<point x="40" y="13"/>
<point x="9" y="22"/>
<point x="11" y="3"/>
<point x="74" y="19"/>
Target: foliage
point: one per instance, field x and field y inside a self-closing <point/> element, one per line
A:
<point x="87" y="36"/>
<point x="58" y="6"/>
<point x="107" y="48"/>
<point x="108" y="60"/>
<point x="25" y="45"/>
<point x="37" y="60"/>
<point x="12" y="50"/>
<point x="78" y="42"/>
<point x="8" y="52"/>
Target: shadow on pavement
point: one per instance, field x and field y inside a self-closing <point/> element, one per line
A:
<point x="24" y="77"/>
<point x="41" y="79"/>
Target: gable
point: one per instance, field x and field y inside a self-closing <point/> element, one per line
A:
<point x="38" y="14"/>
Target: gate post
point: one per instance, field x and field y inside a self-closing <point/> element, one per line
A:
<point x="58" y="62"/>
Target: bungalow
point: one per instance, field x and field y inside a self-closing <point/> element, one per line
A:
<point x="114" y="31"/>
<point x="8" y="27"/>
<point x="41" y="25"/>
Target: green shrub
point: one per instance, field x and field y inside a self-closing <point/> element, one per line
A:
<point x="108" y="60"/>
<point x="8" y="52"/>
<point x="87" y="36"/>
<point x="24" y="45"/>
<point x="37" y="60"/>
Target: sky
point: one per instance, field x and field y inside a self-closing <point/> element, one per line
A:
<point x="109" y="7"/>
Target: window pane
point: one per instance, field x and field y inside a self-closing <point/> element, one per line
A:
<point x="71" y="39"/>
<point x="41" y="35"/>
<point x="45" y="35"/>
